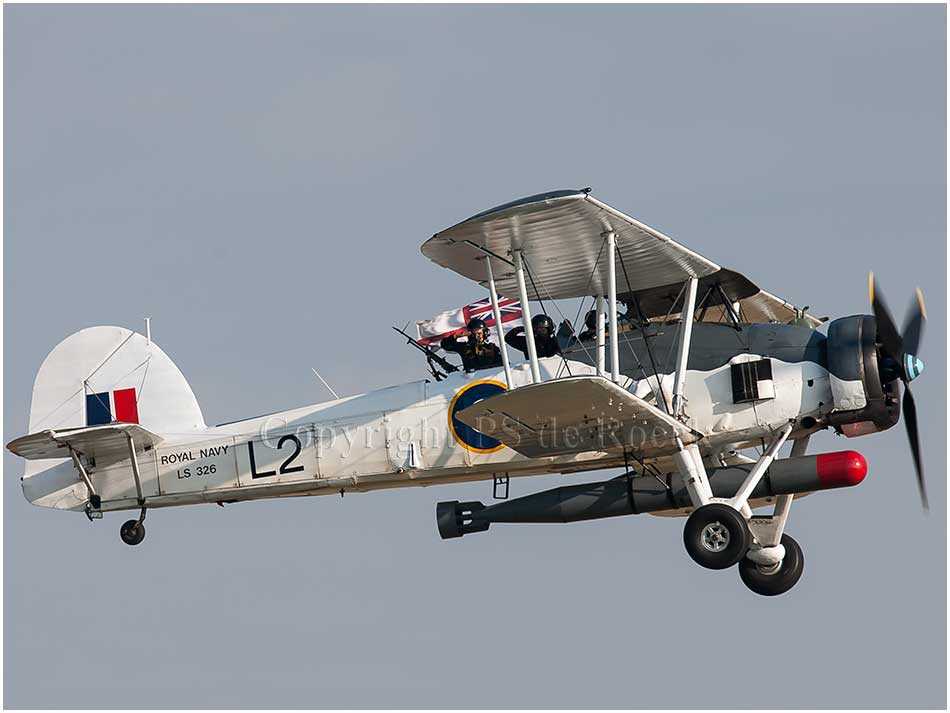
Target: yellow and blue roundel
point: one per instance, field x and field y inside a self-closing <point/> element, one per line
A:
<point x="465" y="435"/>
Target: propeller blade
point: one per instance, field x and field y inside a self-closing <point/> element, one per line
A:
<point x="910" y="423"/>
<point x="887" y="333"/>
<point x="914" y="325"/>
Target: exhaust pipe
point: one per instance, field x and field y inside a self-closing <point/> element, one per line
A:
<point x="646" y="493"/>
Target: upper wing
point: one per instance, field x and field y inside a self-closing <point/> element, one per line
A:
<point x="562" y="238"/>
<point x="713" y="292"/>
<point x="575" y="415"/>
<point x="105" y="444"/>
<point x="562" y="235"/>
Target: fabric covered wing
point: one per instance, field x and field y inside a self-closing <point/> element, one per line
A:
<point x="764" y="307"/>
<point x="575" y="415"/>
<point x="755" y="306"/>
<point x="562" y="237"/>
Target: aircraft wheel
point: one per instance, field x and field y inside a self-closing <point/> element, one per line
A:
<point x="781" y="578"/>
<point x="716" y="536"/>
<point x="132" y="532"/>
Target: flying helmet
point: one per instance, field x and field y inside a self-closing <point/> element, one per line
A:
<point x="590" y="320"/>
<point x="542" y="324"/>
<point x="476" y="323"/>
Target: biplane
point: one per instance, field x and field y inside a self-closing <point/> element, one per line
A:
<point x="693" y="394"/>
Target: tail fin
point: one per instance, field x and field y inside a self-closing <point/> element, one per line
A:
<point x="105" y="374"/>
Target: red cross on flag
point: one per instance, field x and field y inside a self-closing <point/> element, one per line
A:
<point x="432" y="331"/>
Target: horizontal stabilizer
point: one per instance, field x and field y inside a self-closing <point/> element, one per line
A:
<point x="104" y="444"/>
<point x="575" y="415"/>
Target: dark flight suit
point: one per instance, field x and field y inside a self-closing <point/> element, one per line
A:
<point x="545" y="346"/>
<point x="589" y="335"/>
<point x="474" y="356"/>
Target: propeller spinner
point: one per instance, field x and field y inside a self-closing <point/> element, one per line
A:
<point x="899" y="359"/>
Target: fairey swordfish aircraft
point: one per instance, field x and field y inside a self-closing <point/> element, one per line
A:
<point x="705" y="365"/>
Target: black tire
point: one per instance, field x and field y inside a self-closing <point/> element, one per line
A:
<point x="716" y="536"/>
<point x="132" y="532"/>
<point x="780" y="581"/>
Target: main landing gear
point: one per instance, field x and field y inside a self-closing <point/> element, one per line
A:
<point x="718" y="537"/>
<point x="723" y="532"/>
<point x="132" y="532"/>
<point x="774" y="579"/>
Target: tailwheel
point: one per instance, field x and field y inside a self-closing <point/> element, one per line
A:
<point x="770" y="582"/>
<point x="716" y="536"/>
<point x="132" y="532"/>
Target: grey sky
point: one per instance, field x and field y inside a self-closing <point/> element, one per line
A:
<point x="259" y="179"/>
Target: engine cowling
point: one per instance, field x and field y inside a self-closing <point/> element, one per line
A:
<point x="866" y="399"/>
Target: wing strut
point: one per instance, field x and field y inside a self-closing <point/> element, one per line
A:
<point x="612" y="306"/>
<point x="601" y="347"/>
<point x="493" y="293"/>
<point x="686" y="333"/>
<point x="526" y="316"/>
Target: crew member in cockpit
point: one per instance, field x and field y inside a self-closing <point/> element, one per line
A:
<point x="476" y="351"/>
<point x="545" y="342"/>
<point x="590" y="322"/>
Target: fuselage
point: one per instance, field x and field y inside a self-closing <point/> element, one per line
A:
<point x="406" y="435"/>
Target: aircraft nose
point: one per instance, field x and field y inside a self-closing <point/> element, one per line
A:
<point x="913" y="366"/>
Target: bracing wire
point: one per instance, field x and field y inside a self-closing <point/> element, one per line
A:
<point x="646" y="340"/>
<point x="527" y="267"/>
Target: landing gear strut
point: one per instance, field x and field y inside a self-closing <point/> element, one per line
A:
<point x="132" y="532"/>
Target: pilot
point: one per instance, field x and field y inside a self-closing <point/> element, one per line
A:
<point x="476" y="351"/>
<point x="590" y="322"/>
<point x="545" y="342"/>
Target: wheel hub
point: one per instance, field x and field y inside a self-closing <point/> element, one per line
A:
<point x="715" y="537"/>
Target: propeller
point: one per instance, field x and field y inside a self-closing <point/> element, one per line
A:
<point x="899" y="360"/>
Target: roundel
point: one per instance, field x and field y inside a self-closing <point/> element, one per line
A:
<point x="467" y="436"/>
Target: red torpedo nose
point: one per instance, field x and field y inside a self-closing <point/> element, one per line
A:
<point x="841" y="469"/>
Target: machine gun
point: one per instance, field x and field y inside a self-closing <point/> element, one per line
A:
<point x="432" y="358"/>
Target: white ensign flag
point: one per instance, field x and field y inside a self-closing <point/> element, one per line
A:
<point x="432" y="331"/>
